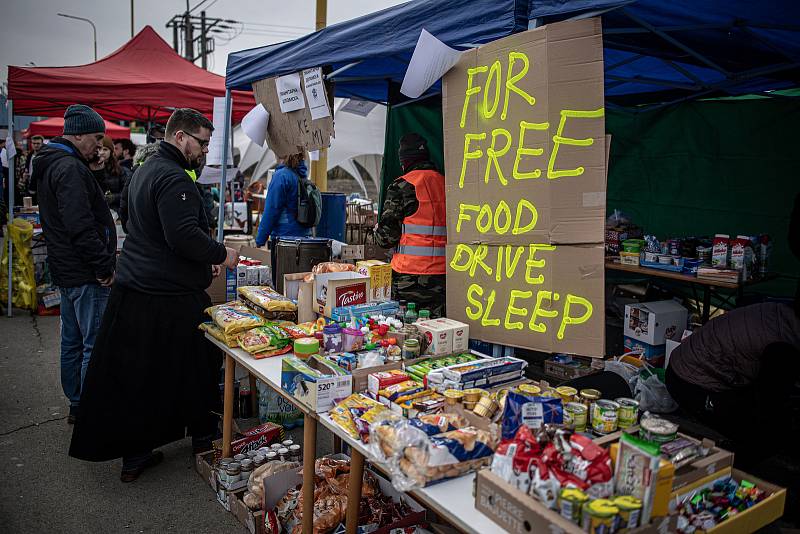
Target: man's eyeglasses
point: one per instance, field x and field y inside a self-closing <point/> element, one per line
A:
<point x="203" y="142"/>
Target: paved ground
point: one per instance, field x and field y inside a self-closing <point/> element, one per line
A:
<point x="44" y="490"/>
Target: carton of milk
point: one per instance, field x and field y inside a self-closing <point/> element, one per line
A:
<point x="460" y="334"/>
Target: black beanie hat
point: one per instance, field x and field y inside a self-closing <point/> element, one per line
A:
<point x="413" y="145"/>
<point x="80" y="119"/>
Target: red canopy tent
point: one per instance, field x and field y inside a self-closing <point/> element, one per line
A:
<point x="55" y="126"/>
<point x="143" y="80"/>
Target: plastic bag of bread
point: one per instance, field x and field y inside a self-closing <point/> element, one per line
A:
<point x="234" y="317"/>
<point x="328" y="267"/>
<point x="255" y="484"/>
<point x="217" y="333"/>
<point x="267" y="298"/>
<point x="430" y="459"/>
<point x="390" y="435"/>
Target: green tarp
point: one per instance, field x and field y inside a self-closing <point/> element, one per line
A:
<point x="699" y="168"/>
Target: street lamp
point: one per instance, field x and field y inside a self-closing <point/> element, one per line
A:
<point x="94" y="29"/>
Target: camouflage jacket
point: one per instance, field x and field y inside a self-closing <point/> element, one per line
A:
<point x="401" y="201"/>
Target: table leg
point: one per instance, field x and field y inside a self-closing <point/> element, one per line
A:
<point x="253" y="396"/>
<point x="706" y="304"/>
<point x="354" y="491"/>
<point x="309" y="457"/>
<point x="227" y="413"/>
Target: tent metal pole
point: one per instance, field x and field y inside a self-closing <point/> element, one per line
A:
<point x="11" y="165"/>
<point x="226" y="129"/>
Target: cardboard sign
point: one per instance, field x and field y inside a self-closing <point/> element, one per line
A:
<point x="525" y="155"/>
<point x="295" y="131"/>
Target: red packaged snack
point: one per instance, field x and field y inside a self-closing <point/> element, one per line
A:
<point x="253" y="438"/>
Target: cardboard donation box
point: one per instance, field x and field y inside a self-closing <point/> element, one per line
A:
<point x="297" y="289"/>
<point x="444" y="336"/>
<point x="525" y="159"/>
<point x="380" y="278"/>
<point x="332" y="290"/>
<point x="316" y="382"/>
<point x="654" y="322"/>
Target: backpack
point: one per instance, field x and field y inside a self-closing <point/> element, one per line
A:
<point x="309" y="203"/>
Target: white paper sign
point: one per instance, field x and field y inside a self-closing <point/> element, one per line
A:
<point x="290" y="94"/>
<point x="430" y="61"/>
<point x="254" y="124"/>
<point x="213" y="175"/>
<point x="361" y="108"/>
<point x="11" y="148"/>
<point x="214" y="156"/>
<point x="315" y="94"/>
<point x="313" y="155"/>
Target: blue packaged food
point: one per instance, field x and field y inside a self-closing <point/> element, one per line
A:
<point x="530" y="410"/>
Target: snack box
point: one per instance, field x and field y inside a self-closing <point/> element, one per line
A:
<point x="361" y="376"/>
<point x="479" y="373"/>
<point x="380" y="275"/>
<point x="317" y="383"/>
<point x="333" y="290"/>
<point x="460" y="333"/>
<point x="379" y="380"/>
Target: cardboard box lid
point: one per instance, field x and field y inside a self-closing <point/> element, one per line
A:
<point x="661" y="306"/>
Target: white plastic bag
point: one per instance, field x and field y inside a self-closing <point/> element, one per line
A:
<point x="628" y="371"/>
<point x="652" y="393"/>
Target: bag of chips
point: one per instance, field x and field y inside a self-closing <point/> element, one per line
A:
<point x="264" y="338"/>
<point x="267" y="298"/>
<point x="234" y="317"/>
<point x="216" y="332"/>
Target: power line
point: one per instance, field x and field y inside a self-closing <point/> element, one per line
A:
<point x="308" y="28"/>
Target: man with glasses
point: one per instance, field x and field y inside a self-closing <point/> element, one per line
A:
<point x="152" y="374"/>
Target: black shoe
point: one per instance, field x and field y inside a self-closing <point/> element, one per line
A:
<point x="132" y="474"/>
<point x="73" y="413"/>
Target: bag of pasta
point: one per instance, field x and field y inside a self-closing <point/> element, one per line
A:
<point x="269" y="337"/>
<point x="267" y="298"/>
<point x="217" y="333"/>
<point x="234" y="317"/>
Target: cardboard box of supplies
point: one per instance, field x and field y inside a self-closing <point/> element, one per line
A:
<point x="519" y="513"/>
<point x="317" y="393"/>
<point x="332" y="290"/>
<point x="380" y="278"/>
<point x="654" y="322"/>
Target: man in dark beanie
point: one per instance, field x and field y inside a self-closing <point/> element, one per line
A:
<point x="414" y="220"/>
<point x="81" y="239"/>
<point x="153" y="374"/>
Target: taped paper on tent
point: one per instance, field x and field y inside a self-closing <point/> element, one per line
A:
<point x="293" y="132"/>
<point x="431" y="60"/>
<point x="315" y="94"/>
<point x="362" y="108"/>
<point x="289" y="92"/>
<point x="254" y="124"/>
<point x="525" y="159"/>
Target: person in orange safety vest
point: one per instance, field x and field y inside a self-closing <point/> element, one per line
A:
<point x="414" y="221"/>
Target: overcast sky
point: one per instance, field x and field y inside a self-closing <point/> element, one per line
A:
<point x="31" y="30"/>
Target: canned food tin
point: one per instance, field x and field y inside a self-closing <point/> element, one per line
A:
<point x="530" y="389"/>
<point x="575" y="416"/>
<point x="628" y="412"/>
<point x="486" y="407"/>
<point x="453" y="397"/>
<point x="588" y="396"/>
<point x="658" y="430"/>
<point x="570" y="504"/>
<point x="599" y="516"/>
<point x="469" y="405"/>
<point x="630" y="510"/>
<point x="605" y="416"/>
<point x="566" y="393"/>
<point x="472" y="395"/>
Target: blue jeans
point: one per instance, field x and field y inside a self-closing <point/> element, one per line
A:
<point x="82" y="310"/>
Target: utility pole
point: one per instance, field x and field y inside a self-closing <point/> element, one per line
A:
<point x="203" y="42"/>
<point x="319" y="169"/>
<point x="131" y="19"/>
<point x="184" y="26"/>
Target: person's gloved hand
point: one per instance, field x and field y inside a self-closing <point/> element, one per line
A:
<point x="232" y="259"/>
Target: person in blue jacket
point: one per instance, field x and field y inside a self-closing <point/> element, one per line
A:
<point x="280" y="209"/>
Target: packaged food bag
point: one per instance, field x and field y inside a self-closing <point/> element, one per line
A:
<point x="529" y="410"/>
